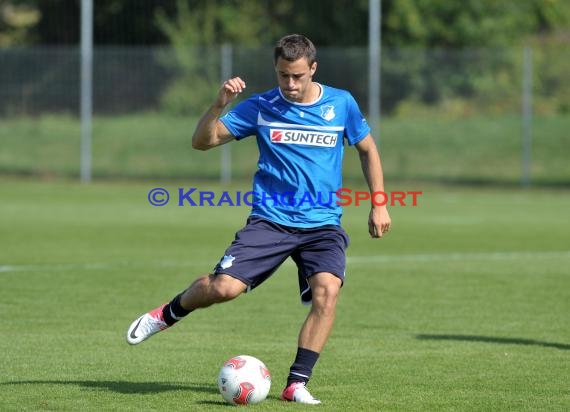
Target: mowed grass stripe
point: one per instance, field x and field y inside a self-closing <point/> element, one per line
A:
<point x="362" y="260"/>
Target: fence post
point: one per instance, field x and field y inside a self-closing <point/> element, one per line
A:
<point x="374" y="56"/>
<point x="226" y="150"/>
<point x="527" y="117"/>
<point x="86" y="102"/>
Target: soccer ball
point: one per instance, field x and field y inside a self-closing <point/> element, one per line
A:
<point x="244" y="380"/>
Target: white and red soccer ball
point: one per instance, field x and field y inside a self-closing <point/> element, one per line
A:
<point x="244" y="380"/>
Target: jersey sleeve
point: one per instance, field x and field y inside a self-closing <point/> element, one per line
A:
<point x="357" y="127"/>
<point x="241" y="121"/>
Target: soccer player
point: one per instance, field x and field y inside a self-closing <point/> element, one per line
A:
<point x="301" y="127"/>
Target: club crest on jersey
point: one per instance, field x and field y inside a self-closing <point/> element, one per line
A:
<point x="327" y="112"/>
<point x="303" y="137"/>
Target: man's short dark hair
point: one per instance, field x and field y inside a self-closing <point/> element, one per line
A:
<point x="294" y="47"/>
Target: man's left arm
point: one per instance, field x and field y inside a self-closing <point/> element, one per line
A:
<point x="379" y="221"/>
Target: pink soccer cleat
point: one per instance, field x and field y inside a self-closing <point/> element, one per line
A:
<point x="146" y="326"/>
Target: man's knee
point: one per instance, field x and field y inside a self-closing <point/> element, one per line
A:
<point x="224" y="287"/>
<point x="325" y="288"/>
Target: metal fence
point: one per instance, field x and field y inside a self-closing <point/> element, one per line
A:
<point x="446" y="115"/>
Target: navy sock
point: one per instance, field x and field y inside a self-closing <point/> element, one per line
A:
<point x="302" y="368"/>
<point x="173" y="311"/>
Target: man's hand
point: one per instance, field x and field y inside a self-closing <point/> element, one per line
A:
<point x="379" y="221"/>
<point x="229" y="91"/>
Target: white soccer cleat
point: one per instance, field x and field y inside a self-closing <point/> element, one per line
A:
<point x="146" y="326"/>
<point x="298" y="392"/>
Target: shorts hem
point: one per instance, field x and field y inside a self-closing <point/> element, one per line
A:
<point x="334" y="273"/>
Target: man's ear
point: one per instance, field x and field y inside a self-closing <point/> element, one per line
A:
<point x="313" y="68"/>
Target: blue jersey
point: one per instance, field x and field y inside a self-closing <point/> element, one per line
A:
<point x="301" y="147"/>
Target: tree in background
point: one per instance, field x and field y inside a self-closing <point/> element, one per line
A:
<point x="16" y="21"/>
<point x="471" y="23"/>
<point x="482" y="33"/>
<point x="425" y="23"/>
<point x="195" y="31"/>
<point x="416" y="34"/>
<point x="115" y="22"/>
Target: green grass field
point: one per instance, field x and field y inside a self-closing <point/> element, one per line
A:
<point x="464" y="306"/>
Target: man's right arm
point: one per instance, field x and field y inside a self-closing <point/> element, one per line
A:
<point x="210" y="131"/>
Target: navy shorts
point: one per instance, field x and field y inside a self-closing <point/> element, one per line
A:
<point x="262" y="246"/>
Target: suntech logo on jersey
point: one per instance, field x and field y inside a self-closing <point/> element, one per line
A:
<point x="306" y="137"/>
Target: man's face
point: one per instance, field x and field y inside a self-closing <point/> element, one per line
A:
<point x="294" y="79"/>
